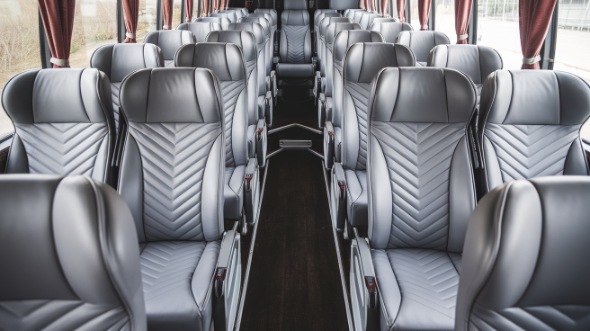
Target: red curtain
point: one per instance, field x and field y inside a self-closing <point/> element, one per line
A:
<point x="167" y="8"/>
<point x="462" y="17"/>
<point x="204" y="7"/>
<point x="131" y="14"/>
<point x="226" y="4"/>
<point x="363" y="4"/>
<point x="535" y="17"/>
<point x="401" y="4"/>
<point x="216" y="6"/>
<point x="384" y="11"/>
<point x="189" y="10"/>
<point x="423" y="13"/>
<point x="58" y="21"/>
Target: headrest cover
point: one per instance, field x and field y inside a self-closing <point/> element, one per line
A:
<point x="243" y="39"/>
<point x="58" y="96"/>
<point x="444" y="96"/>
<point x="391" y="30"/>
<point x="295" y="17"/>
<point x="119" y="60"/>
<point x="200" y="29"/>
<point x="170" y="41"/>
<point x="421" y="42"/>
<point x="171" y="95"/>
<point x="334" y="28"/>
<point x="364" y="60"/>
<point x="260" y="20"/>
<point x="535" y="97"/>
<point x="347" y="38"/>
<point x="295" y="5"/>
<point x="475" y="61"/>
<point x="253" y="27"/>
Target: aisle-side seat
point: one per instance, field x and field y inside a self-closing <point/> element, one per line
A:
<point x="243" y="10"/>
<point x="63" y="123"/>
<point x="421" y="42"/>
<point x="350" y="13"/>
<point x="320" y="75"/>
<point x="524" y="263"/>
<point x="422" y="193"/>
<point x="241" y="177"/>
<point x="200" y="29"/>
<point x="530" y="125"/>
<point x="295" y="43"/>
<point x="316" y="32"/>
<point x="367" y="20"/>
<point x="70" y="258"/>
<point x="274" y="22"/>
<point x="229" y="14"/>
<point x="169" y="42"/>
<point x="222" y="21"/>
<point x="390" y="30"/>
<point x="119" y="60"/>
<point x="171" y="177"/>
<point x="349" y="179"/>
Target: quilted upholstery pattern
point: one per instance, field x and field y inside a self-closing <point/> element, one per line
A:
<point x="61" y="315"/>
<point x="295" y="36"/>
<point x="419" y="162"/>
<point x="230" y="91"/>
<point x="527" y="151"/>
<point x="62" y="148"/>
<point x="115" y="88"/>
<point x="360" y="93"/>
<point x="534" y="318"/>
<point x="174" y="156"/>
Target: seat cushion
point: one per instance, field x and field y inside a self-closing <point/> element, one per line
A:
<point x="418" y="288"/>
<point x="356" y="197"/>
<point x="233" y="192"/>
<point x="177" y="281"/>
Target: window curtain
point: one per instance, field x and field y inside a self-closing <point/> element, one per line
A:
<point x="58" y="21"/>
<point x="363" y="4"/>
<point x="131" y="15"/>
<point x="226" y="4"/>
<point x="535" y="17"/>
<point x="216" y="5"/>
<point x="189" y="10"/>
<point x="462" y="17"/>
<point x="167" y="8"/>
<point x="401" y="4"/>
<point x="384" y="9"/>
<point x="423" y="13"/>
<point x="204" y="7"/>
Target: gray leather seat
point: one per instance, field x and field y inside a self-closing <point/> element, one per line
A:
<point x="525" y="265"/>
<point x="226" y="61"/>
<point x="71" y="261"/>
<point x="119" y="60"/>
<point x="295" y="42"/>
<point x="171" y="176"/>
<point x="229" y="14"/>
<point x="274" y="26"/>
<point x="200" y="29"/>
<point x="421" y="192"/>
<point x="350" y="13"/>
<point x="475" y="61"/>
<point x="243" y="10"/>
<point x="530" y="123"/>
<point x="222" y="21"/>
<point x="421" y="42"/>
<point x="318" y="39"/>
<point x="169" y="41"/>
<point x="390" y="30"/>
<point x="367" y="20"/>
<point x="333" y="129"/>
<point x="63" y="121"/>
<point x="358" y="16"/>
<point x="257" y="131"/>
<point x="362" y="63"/>
<point x="326" y="62"/>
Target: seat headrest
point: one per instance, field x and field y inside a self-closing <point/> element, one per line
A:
<point x="334" y="28"/>
<point x="326" y="21"/>
<point x="243" y="39"/>
<point x="171" y="95"/>
<point x="535" y="97"/>
<point x="521" y="250"/>
<point x="170" y="41"/>
<point x="264" y="23"/>
<point x="253" y="27"/>
<point x="78" y="243"/>
<point x="428" y="95"/>
<point x="347" y="38"/>
<point x="321" y="16"/>
<point x="364" y="60"/>
<point x="119" y="60"/>
<point x="390" y="30"/>
<point x="58" y="96"/>
<point x="295" y="17"/>
<point x="379" y="20"/>
<point x="295" y="5"/>
<point x="421" y="42"/>
<point x="265" y="15"/>
<point x="200" y="29"/>
<point x="475" y="61"/>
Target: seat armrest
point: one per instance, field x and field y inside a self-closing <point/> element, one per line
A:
<point x="364" y="291"/>
<point x="316" y="85"/>
<point x="321" y="110"/>
<point x="261" y="142"/>
<point x="268" y="108"/>
<point x="328" y="145"/>
<point x="228" y="278"/>
<point x="273" y="85"/>
<point x="251" y="191"/>
<point x="338" y="196"/>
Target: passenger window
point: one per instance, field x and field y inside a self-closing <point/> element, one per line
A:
<point x="176" y="13"/>
<point x="414" y="16"/>
<point x="498" y="28"/>
<point x="445" y="18"/>
<point x="148" y="18"/>
<point x="95" y="24"/>
<point x="20" y="46"/>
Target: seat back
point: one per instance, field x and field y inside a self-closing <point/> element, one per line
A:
<point x="420" y="178"/>
<point x="421" y="42"/>
<point x="295" y="42"/>
<point x="70" y="261"/>
<point x="530" y="124"/>
<point x="345" y="39"/>
<point x="238" y="12"/>
<point x="390" y="30"/>
<point x="358" y="16"/>
<point x="243" y="10"/>
<point x="258" y="32"/>
<point x="295" y="5"/>
<point x="332" y="31"/>
<point x="326" y="22"/>
<point x="200" y="29"/>
<point x="317" y="36"/>
<point x="226" y="61"/>
<point x="367" y="20"/>
<point x="246" y="41"/>
<point x="222" y="21"/>
<point x="173" y="153"/>
<point x="350" y="13"/>
<point x="273" y="16"/>
<point x="63" y="121"/>
<point x="525" y="263"/>
<point x="169" y="42"/>
<point x="119" y="60"/>
<point x="230" y="15"/>
<point x="362" y="63"/>
<point x="381" y="19"/>
<point x="268" y="43"/>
